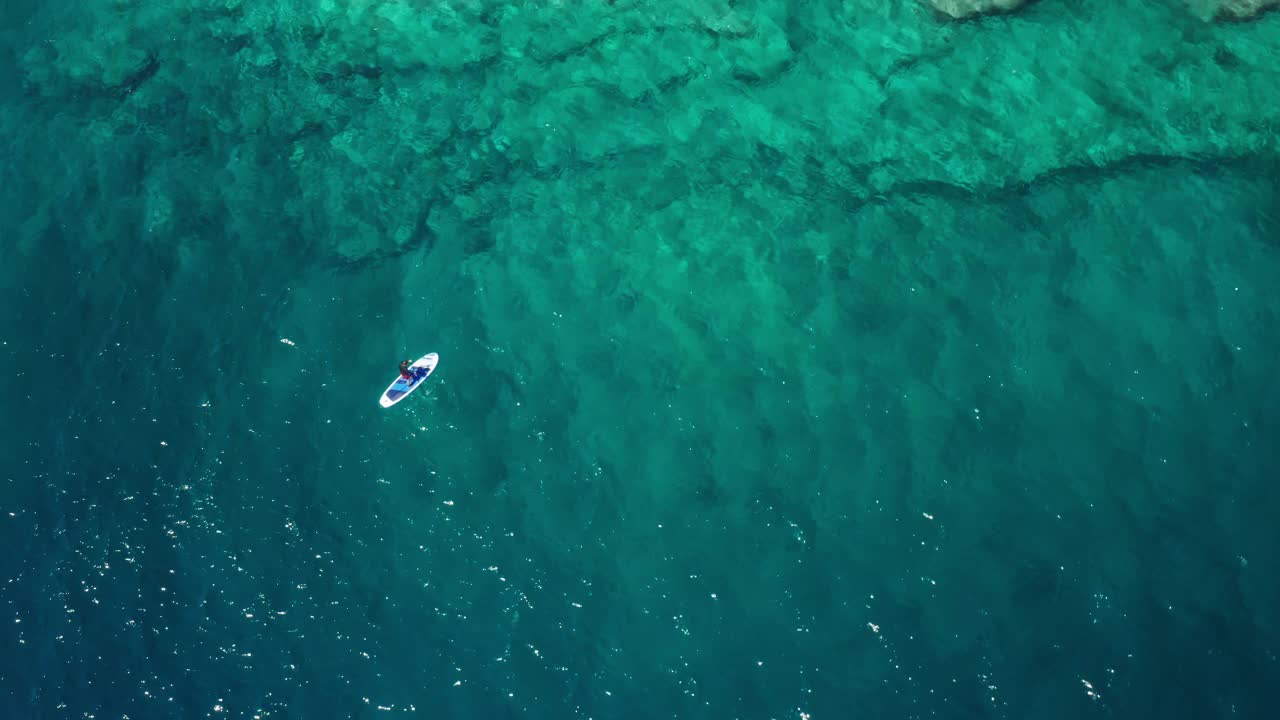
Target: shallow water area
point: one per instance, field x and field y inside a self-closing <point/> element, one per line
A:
<point x="794" y="358"/>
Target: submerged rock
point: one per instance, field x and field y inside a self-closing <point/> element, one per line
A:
<point x="966" y="8"/>
<point x="1237" y="9"/>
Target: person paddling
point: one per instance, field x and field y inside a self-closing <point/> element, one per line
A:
<point x="404" y="371"/>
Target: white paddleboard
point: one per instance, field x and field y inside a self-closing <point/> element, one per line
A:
<point x="401" y="388"/>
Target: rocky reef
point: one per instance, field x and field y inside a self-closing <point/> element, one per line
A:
<point x="1234" y="9"/>
<point x="967" y="8"/>
<point x="384" y="128"/>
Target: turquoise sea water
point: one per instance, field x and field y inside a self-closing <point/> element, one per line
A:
<point x="798" y="360"/>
